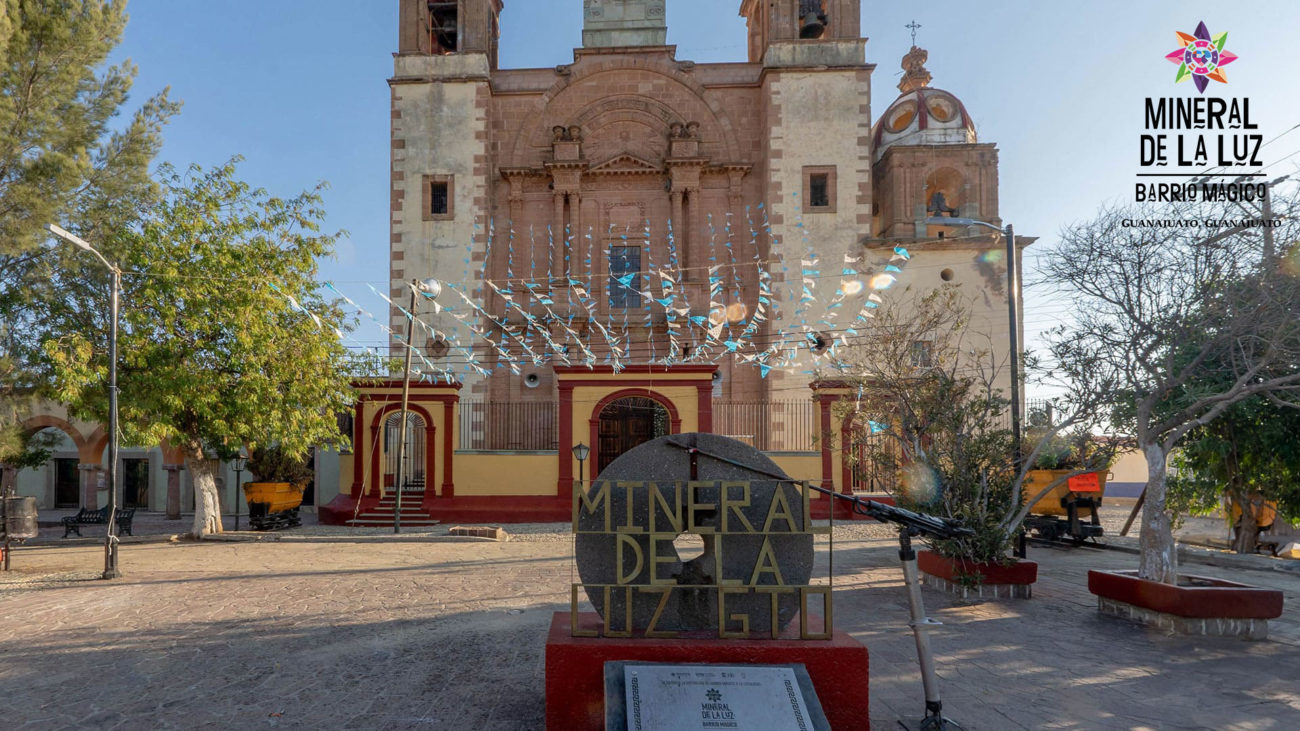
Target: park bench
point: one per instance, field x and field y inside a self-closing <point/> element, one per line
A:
<point x="73" y="523"/>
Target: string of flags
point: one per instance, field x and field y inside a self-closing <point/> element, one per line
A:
<point x="558" y="316"/>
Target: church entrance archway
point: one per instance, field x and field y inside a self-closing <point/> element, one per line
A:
<point x="626" y="423"/>
<point x="413" y="468"/>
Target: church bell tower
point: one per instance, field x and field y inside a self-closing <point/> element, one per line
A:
<point x="621" y="23"/>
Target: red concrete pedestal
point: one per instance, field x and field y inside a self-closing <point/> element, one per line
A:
<point x="575" y="669"/>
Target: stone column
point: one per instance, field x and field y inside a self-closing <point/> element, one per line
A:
<point x="174" y="490"/>
<point x="695" y="239"/>
<point x="575" y="241"/>
<point x="90" y="485"/>
<point x="688" y="257"/>
<point x="557" y="232"/>
<point x="516" y="215"/>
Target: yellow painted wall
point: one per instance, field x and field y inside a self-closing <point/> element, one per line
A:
<point x="806" y="466"/>
<point x="494" y="473"/>
<point x="802" y="466"/>
<point x="684" y="398"/>
<point x="442" y="416"/>
<point x="1130" y="467"/>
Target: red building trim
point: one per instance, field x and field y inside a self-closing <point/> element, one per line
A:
<point x="564" y="486"/>
<point x="635" y="369"/>
<point x="397" y="383"/>
<point x="448" y="485"/>
<point x="358" y="453"/>
<point x="704" y="406"/>
<point x="566" y="382"/>
<point x="828" y="474"/>
<point x="430" y="442"/>
<point x="674" y="418"/>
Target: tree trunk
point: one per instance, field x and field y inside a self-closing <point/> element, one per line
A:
<point x="8" y="480"/>
<point x="1159" y="559"/>
<point x="207" y="504"/>
<point x="1246" y="528"/>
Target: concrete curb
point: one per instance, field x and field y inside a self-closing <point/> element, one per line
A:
<point x="99" y="541"/>
<point x="389" y="539"/>
<point x="1207" y="556"/>
<point x="250" y="537"/>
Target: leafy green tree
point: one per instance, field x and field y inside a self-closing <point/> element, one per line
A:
<point x="1253" y="448"/>
<point x="932" y="420"/>
<point x="1186" y="323"/>
<point x="225" y="340"/>
<point x="63" y="157"/>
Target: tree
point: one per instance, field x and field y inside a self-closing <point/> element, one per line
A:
<point x="930" y="413"/>
<point x="1253" y="448"/>
<point x="226" y="340"/>
<point x="60" y="160"/>
<point x="1187" y="322"/>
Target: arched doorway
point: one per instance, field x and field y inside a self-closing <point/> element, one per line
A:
<point x="627" y="422"/>
<point x="413" y="472"/>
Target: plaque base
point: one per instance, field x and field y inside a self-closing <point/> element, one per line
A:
<point x="575" y="669"/>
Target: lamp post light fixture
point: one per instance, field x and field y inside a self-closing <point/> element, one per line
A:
<point x="580" y="451"/>
<point x="110" y="535"/>
<point x="1013" y="315"/>
<point x="241" y="460"/>
<point x="430" y="288"/>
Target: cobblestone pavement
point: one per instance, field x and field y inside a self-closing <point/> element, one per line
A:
<point x="381" y="634"/>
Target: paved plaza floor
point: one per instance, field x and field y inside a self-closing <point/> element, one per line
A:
<point x="367" y="632"/>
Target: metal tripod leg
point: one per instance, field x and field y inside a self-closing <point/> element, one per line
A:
<point x="921" y="625"/>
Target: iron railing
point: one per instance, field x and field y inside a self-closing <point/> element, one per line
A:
<point x="509" y="425"/>
<point x="770" y="426"/>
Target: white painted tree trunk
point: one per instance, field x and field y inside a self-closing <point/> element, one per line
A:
<point x="207" y="503"/>
<point x="1159" y="560"/>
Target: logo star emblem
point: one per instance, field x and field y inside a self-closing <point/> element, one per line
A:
<point x="1201" y="57"/>
<point x="714" y="695"/>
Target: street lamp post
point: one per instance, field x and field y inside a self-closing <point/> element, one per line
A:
<point x="430" y="288"/>
<point x="580" y="451"/>
<point x="1013" y="316"/>
<point x="240" y="460"/>
<point x="110" y="535"/>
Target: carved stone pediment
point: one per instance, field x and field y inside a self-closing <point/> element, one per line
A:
<point x="625" y="164"/>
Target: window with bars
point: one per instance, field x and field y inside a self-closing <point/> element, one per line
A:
<point x="624" y="275"/>
<point x="438" y="198"/>
<point x="819" y="188"/>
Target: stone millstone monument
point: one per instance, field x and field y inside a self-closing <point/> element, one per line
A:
<point x="752" y="526"/>
<point x="744" y="605"/>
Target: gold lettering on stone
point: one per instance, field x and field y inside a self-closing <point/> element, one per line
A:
<point x="656" y="559"/>
<point x="766" y="564"/>
<point x="779" y="508"/>
<point x="775" y="592"/>
<point x="674" y="513"/>
<point x="626" y="540"/>
<point x="664" y="594"/>
<point x="734" y="506"/>
<point x="723" y="632"/>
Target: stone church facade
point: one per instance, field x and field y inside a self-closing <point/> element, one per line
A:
<point x="727" y="191"/>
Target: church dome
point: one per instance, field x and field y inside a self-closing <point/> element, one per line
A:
<point x="922" y="115"/>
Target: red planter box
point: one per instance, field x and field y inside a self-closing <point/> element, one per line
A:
<point x="1207" y="599"/>
<point x="1021" y="572"/>
<point x="575" y="669"/>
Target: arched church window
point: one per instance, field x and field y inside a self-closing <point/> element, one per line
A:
<point x="944" y="192"/>
<point x="901" y="118"/>
<point x="941" y="109"/>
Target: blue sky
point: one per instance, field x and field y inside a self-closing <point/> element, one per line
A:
<point x="298" y="88"/>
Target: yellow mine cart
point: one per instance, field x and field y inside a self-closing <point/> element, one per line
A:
<point x="273" y="505"/>
<point x="1063" y="510"/>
